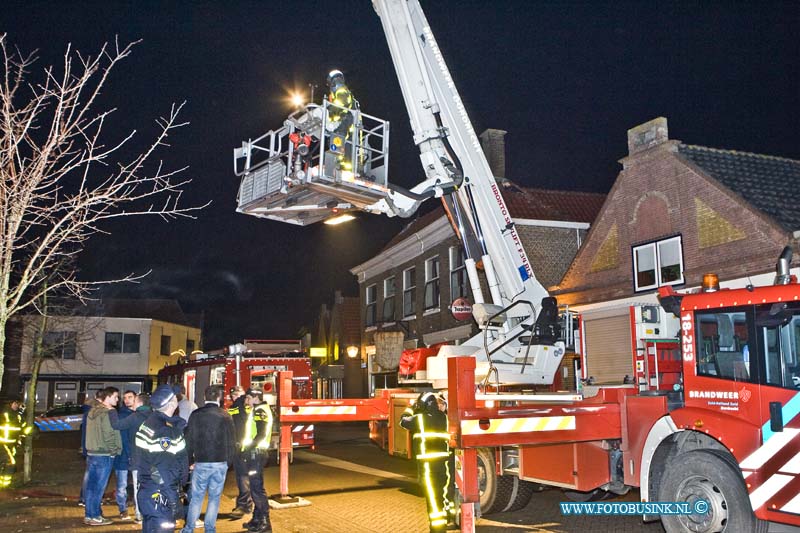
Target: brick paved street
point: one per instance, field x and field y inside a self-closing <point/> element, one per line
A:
<point x="354" y="488"/>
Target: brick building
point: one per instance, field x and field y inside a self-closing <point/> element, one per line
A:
<point x="675" y="212"/>
<point x="409" y="286"/>
<point x="337" y="329"/>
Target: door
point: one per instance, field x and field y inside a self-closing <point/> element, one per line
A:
<point x="608" y="348"/>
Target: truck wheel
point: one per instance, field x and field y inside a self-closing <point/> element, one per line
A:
<point x="500" y="493"/>
<point x="703" y="475"/>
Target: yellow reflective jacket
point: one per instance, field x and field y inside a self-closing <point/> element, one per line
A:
<point x="258" y="429"/>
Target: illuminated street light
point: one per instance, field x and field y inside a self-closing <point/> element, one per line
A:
<point x="352" y="352"/>
<point x="345" y="217"/>
<point x="297" y="100"/>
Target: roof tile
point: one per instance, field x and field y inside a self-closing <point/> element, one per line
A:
<point x="768" y="183"/>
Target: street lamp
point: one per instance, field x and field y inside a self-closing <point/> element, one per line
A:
<point x="344" y="217"/>
<point x="352" y="352"/>
<point x="297" y="99"/>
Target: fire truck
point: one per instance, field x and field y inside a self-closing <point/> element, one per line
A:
<point x="709" y="414"/>
<point x="254" y="363"/>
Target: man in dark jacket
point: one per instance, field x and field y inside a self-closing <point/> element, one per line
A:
<point x="122" y="461"/>
<point x="211" y="445"/>
<point x="130" y="425"/>
<point x="244" y="502"/>
<point x="161" y="462"/>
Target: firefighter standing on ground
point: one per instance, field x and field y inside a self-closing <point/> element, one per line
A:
<point x="162" y="462"/>
<point x="12" y="430"/>
<point x="255" y="440"/>
<point x="427" y="423"/>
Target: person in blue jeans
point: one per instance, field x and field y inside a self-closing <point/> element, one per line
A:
<point x="122" y="461"/>
<point x="85" y="408"/>
<point x="211" y="446"/>
<point x="103" y="443"/>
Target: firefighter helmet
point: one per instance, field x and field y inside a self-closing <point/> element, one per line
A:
<point x="427" y="400"/>
<point x="335" y="79"/>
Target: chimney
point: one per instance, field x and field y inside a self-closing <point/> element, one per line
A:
<point x="494" y="147"/>
<point x="647" y="135"/>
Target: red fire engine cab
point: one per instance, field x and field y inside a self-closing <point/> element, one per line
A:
<point x="255" y="369"/>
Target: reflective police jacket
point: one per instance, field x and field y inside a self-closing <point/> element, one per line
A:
<point x="161" y="450"/>
<point x="258" y="428"/>
<point x="429" y="436"/>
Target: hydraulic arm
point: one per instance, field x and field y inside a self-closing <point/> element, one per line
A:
<point x="513" y="346"/>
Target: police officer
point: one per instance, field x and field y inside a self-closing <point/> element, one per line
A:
<point x="12" y="430"/>
<point x="340" y="118"/>
<point x="162" y="462"/>
<point x="255" y="440"/>
<point x="427" y="423"/>
<point x="239" y="411"/>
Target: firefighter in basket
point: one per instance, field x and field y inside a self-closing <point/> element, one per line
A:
<point x="340" y="120"/>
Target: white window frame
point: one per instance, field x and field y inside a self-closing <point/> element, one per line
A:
<point x="122" y="342"/>
<point x="409" y="288"/>
<point x="456" y="256"/>
<point x="656" y="246"/>
<point x="387" y="297"/>
<point x="432" y="280"/>
<point x="370" y="304"/>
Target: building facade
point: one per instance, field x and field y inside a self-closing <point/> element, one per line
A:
<point x="674" y="213"/>
<point x="410" y="285"/>
<point x="121" y="343"/>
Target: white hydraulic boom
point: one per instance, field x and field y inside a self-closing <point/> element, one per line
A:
<point x="513" y="347"/>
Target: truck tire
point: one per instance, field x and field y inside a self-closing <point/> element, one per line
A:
<point x="500" y="493"/>
<point x="704" y="475"/>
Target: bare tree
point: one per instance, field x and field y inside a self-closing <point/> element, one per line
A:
<point x="61" y="180"/>
<point x="56" y="332"/>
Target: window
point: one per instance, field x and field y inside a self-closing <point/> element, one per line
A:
<point x="217" y="376"/>
<point x="189" y="346"/>
<point x="458" y="273"/>
<point x="117" y="342"/>
<point x="65" y="392"/>
<point x="59" y="344"/>
<point x="432" y="283"/>
<point x="409" y="290"/>
<point x="389" y="290"/>
<point x="371" y="299"/>
<point x="778" y="333"/>
<point x="658" y="263"/>
<point x="723" y="345"/>
<point x="166" y="341"/>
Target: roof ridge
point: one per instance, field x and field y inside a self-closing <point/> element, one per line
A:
<point x="740" y="152"/>
<point x="561" y="191"/>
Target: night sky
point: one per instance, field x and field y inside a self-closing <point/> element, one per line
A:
<point x="565" y="79"/>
